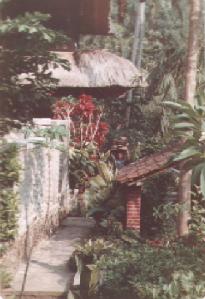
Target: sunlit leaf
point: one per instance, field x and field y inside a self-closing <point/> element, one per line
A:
<point x="202" y="181"/>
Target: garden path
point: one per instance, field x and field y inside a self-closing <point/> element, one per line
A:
<point x="49" y="275"/>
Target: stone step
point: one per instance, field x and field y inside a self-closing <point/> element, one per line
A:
<point x="49" y="275"/>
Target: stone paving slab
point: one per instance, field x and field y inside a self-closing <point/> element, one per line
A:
<point x="49" y="275"/>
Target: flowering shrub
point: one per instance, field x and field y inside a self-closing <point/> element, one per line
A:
<point x="87" y="131"/>
<point x="85" y="117"/>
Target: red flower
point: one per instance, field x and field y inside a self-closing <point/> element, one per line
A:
<point x="85" y="106"/>
<point x="85" y="120"/>
<point x="103" y="126"/>
<point x="85" y="97"/>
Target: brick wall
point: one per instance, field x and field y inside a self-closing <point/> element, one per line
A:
<point x="133" y="197"/>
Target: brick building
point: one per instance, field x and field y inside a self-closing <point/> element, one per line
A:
<point x="134" y="174"/>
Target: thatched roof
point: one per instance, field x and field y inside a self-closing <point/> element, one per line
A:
<point x="75" y="77"/>
<point x="98" y="68"/>
<point x="94" y="70"/>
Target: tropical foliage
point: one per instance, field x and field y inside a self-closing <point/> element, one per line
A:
<point x="119" y="264"/>
<point x="102" y="197"/>
<point x="166" y="31"/>
<point x="197" y="222"/>
<point x="189" y="124"/>
<point x="9" y="176"/>
<point x="129" y="267"/>
<point x="176" y="272"/>
<point x="25" y="60"/>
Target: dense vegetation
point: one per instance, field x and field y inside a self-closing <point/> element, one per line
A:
<point x="25" y="36"/>
<point x="9" y="176"/>
<point x="117" y="262"/>
<point x="165" y="267"/>
<point x="142" y="271"/>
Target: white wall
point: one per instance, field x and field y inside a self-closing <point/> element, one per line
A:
<point x="39" y="191"/>
<point x="43" y="188"/>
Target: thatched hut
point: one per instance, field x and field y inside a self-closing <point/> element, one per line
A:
<point x="98" y="73"/>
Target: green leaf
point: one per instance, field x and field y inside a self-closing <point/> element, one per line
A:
<point x="98" y="182"/>
<point x="22" y="28"/>
<point x="187" y="118"/>
<point x="173" y="105"/>
<point x="187" y="153"/>
<point x="96" y="210"/>
<point x="184" y="125"/>
<point x="202" y="181"/>
<point x="94" y="279"/>
<point x="194" y="163"/>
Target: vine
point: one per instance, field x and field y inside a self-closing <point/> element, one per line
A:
<point x="9" y="176"/>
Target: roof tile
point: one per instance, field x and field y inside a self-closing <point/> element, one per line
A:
<point x="148" y="165"/>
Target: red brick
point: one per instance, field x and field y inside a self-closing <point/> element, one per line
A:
<point x="133" y="197"/>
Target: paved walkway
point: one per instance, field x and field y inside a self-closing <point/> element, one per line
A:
<point x="49" y="275"/>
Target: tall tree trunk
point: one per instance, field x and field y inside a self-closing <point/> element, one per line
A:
<point x="137" y="48"/>
<point x="184" y="194"/>
<point x="203" y="21"/>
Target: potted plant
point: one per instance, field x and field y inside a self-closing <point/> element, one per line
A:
<point x="86" y="257"/>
